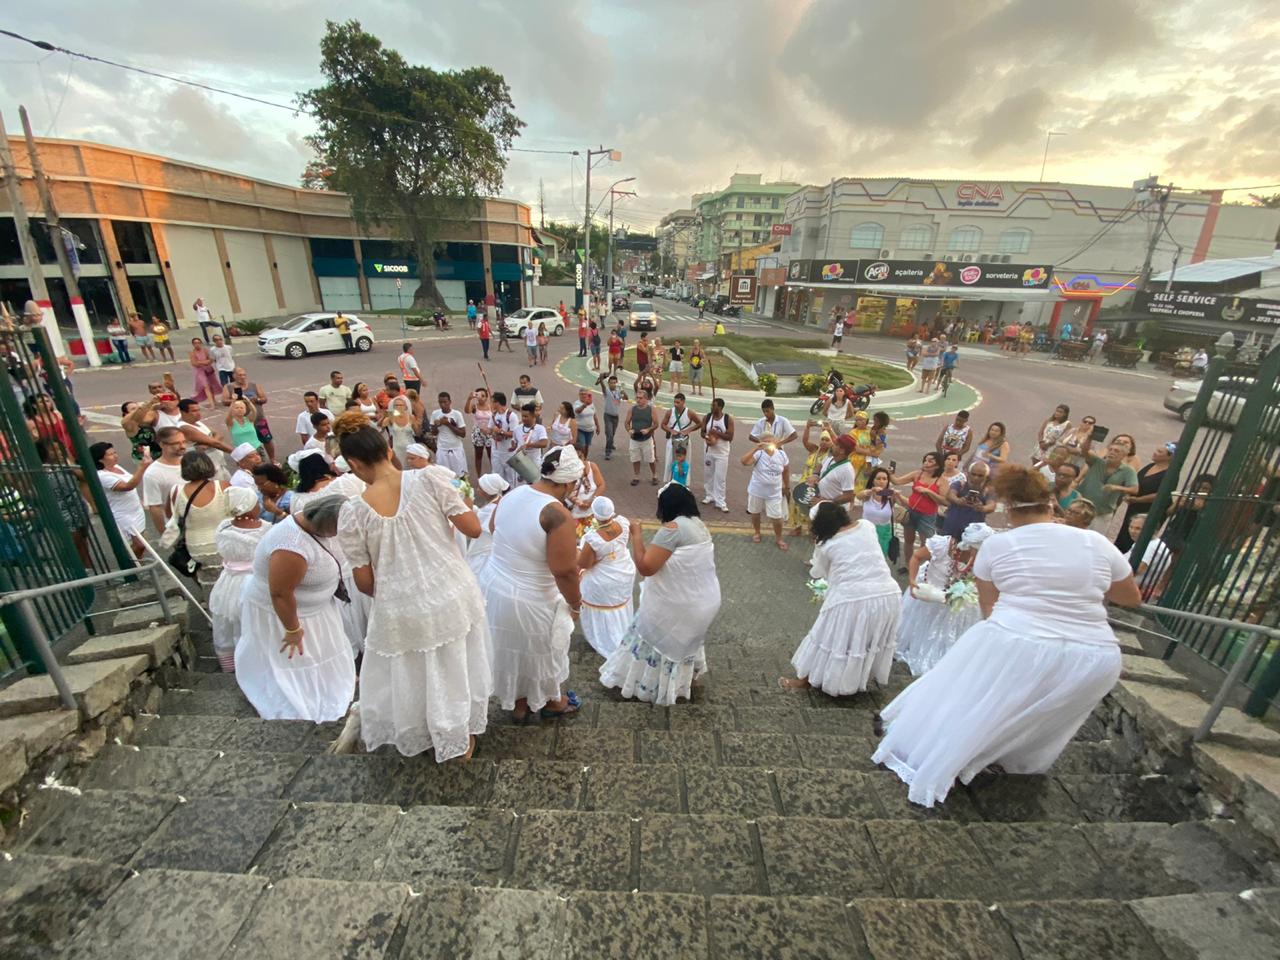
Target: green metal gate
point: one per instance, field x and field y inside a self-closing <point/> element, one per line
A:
<point x="49" y="493"/>
<point x="1218" y="511"/>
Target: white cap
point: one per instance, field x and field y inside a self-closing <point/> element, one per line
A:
<point x="242" y="451"/>
<point x="492" y="484"/>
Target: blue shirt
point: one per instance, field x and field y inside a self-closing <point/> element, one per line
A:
<point x="471" y="311"/>
<point x="949" y="360"/>
<point x="680" y="472"/>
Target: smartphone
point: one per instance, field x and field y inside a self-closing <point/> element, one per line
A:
<point x="1099" y="433"/>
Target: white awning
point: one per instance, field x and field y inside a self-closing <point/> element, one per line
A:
<point x="710" y="274"/>
<point x="938" y="293"/>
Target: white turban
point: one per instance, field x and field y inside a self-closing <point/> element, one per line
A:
<point x="974" y="534"/>
<point x="569" y="469"/>
<point x="492" y="484"/>
<point x="417" y="450"/>
<point x="602" y="507"/>
<point x="240" y="500"/>
<point x="296" y="458"/>
<point x="242" y="451"/>
<point x="340" y="464"/>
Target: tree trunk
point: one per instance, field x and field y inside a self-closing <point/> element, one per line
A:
<point x="427" y="295"/>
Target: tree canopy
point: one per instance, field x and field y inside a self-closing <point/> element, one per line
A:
<point x="416" y="148"/>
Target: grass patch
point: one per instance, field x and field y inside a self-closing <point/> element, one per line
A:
<point x="728" y="376"/>
<point x="854" y="369"/>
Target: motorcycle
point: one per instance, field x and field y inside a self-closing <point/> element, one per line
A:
<point x="860" y="395"/>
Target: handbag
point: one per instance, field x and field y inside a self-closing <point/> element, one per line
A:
<point x="180" y="557"/>
<point x="340" y="592"/>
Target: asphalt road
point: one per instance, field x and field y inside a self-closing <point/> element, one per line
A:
<point x="1021" y="392"/>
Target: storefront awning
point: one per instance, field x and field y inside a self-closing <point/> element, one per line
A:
<point x="709" y="275"/>
<point x="936" y="293"/>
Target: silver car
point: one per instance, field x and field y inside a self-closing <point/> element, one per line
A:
<point x="1224" y="406"/>
<point x="642" y="315"/>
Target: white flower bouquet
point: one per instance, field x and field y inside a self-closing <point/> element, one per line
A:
<point x="818" y="588"/>
<point x="961" y="594"/>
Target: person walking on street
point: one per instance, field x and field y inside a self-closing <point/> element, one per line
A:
<point x="343" y="326"/>
<point x="837" y="331"/>
<point x="582" y="333"/>
<point x="486" y="333"/>
<point x="206" y="376"/>
<point x="613" y="399"/>
<point x="472" y="314"/>
<point x="224" y="360"/>
<point x="503" y="340"/>
<point x="587" y="423"/>
<point x="677" y="424"/>
<point x="410" y="372"/>
<point x="1096" y="348"/>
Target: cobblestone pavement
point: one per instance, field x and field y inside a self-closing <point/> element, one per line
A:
<point x="748" y="823"/>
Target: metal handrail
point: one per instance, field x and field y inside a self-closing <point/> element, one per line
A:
<point x="19" y="595"/>
<point x="1258" y="633"/>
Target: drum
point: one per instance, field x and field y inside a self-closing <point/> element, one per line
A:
<point x="524" y="466"/>
<point x="803" y="494"/>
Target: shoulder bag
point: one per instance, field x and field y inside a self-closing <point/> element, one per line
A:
<point x="180" y="557"/>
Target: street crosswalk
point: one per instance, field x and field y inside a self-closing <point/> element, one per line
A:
<point x="709" y="319"/>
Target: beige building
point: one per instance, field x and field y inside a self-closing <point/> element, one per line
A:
<point x="152" y="234"/>
<point x="676" y="238"/>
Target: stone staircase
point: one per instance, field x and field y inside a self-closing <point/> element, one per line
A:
<point x="749" y="823"/>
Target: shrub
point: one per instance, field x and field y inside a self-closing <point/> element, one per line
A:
<point x="768" y="383"/>
<point x="419" y="321"/>
<point x="811" y="384"/>
<point x="251" y="328"/>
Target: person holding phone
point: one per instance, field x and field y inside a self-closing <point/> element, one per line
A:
<point x="1107" y="481"/>
<point x="993" y="448"/>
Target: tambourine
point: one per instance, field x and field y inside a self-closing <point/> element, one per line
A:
<point x="803" y="494"/>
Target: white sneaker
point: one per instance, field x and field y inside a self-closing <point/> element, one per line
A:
<point x="724" y="508"/>
<point x="706" y="499"/>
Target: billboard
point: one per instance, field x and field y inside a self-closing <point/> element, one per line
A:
<point x="780" y="230"/>
<point x="1213" y="307"/>
<point x="950" y="273"/>
<point x="742" y="288"/>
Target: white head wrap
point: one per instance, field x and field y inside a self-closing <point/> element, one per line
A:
<point x="242" y="451"/>
<point x="340" y="464"/>
<point x="813" y="511"/>
<point x="417" y="450"/>
<point x="602" y="507"/>
<point x="569" y="469"/>
<point x="296" y="458"/>
<point x="974" y="534"/>
<point x="402" y="399"/>
<point x="240" y="500"/>
<point x="492" y="484"/>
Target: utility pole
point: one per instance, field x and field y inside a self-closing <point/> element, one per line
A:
<point x="59" y="246"/>
<point x="608" y="269"/>
<point x="739" y="270"/>
<point x="542" y="206"/>
<point x="585" y="290"/>
<point x="30" y="255"/>
<point x="1162" y="203"/>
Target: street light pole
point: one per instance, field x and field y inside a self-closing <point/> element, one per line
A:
<point x="1049" y="135"/>
<point x="585" y="292"/>
<point x="608" y="269"/>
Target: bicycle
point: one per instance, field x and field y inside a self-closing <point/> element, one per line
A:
<point x="944" y="379"/>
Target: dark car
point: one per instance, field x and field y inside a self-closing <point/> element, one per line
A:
<point x="646" y="291"/>
<point x="620" y="301"/>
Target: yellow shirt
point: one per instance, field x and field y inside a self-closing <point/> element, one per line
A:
<point x="161" y="332"/>
<point x="343" y="325"/>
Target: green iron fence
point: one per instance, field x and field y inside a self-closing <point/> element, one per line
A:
<point x="49" y="495"/>
<point x="1218" y="513"/>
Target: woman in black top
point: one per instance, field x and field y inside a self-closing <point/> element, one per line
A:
<point x="1149" y="479"/>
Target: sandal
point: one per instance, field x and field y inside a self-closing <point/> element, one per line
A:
<point x="635" y="482"/>
<point x="755" y="538"/>
<point x="654" y="481"/>
<point x="520" y="720"/>
<point x="571" y="707"/>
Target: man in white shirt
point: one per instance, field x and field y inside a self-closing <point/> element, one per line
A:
<point x="768" y="489"/>
<point x="224" y="359"/>
<point x="204" y="317"/>
<point x="410" y="372"/>
<point x="203" y="436"/>
<point x="772" y="428"/>
<point x="836" y="476"/>
<point x="503" y="427"/>
<point x="1200" y="362"/>
<point x="245" y="457"/>
<point x="717" y="431"/>
<point x="163" y="475"/>
<point x="1155" y="559"/>
<point x="335" y="394"/>
<point x="531" y="344"/>
<point x="529" y="437"/>
<point x="304" y="427"/>
<point x="450" y="427"/>
<point x="679" y="421"/>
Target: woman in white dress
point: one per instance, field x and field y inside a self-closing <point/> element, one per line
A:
<point x="399" y="425"/>
<point x="662" y="652"/>
<point x="851" y="642"/>
<point x="1017" y="686"/>
<point x="236" y="540"/>
<point x="479" y="549"/>
<point x="532" y="593"/>
<point x="121" y="489"/>
<point x="563" y="426"/>
<point x="929" y="627"/>
<point x="608" y="578"/>
<point x="838" y="412"/>
<point x="424" y="679"/>
<point x="584" y="493"/>
<point x="293" y="661"/>
<point x="316" y="478"/>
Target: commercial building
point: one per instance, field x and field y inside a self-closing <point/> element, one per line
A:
<point x="740" y="215"/>
<point x="1240" y="295"/>
<point x="152" y="234"/>
<point x="910" y="252"/>
<point x="676" y="235"/>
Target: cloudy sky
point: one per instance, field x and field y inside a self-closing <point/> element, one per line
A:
<point x="690" y="92"/>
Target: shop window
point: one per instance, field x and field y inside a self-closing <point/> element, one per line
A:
<point x="133" y="240"/>
<point x="918" y="236"/>
<point x="869" y="234"/>
<point x="1016" y="240"/>
<point x="965" y="239"/>
<point x="332" y="247"/>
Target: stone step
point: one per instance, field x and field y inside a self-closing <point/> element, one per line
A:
<point x="139" y="618"/>
<point x="96" y="686"/>
<point x="24" y="737"/>
<point x="244" y="765"/>
<point x="566" y="851"/>
<point x="156" y="643"/>
<point x="1170" y="718"/>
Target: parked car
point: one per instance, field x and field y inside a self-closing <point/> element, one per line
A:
<point x="1224" y="406"/>
<point x="646" y="291"/>
<point x="313" y="333"/>
<point x="620" y="301"/>
<point x="516" y="322"/>
<point x="642" y="316"/>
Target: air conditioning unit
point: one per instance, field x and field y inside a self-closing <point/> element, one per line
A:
<point x="966" y="258"/>
<point x="948" y="257"/>
<point x="1005" y="258"/>
<point x="984" y="257"/>
<point x="926" y="256"/>
<point x="886" y="254"/>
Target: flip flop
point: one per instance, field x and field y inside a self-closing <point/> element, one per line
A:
<point x="570" y="708"/>
<point x="782" y="545"/>
<point x="636" y="482"/>
<point x="755" y="538"/>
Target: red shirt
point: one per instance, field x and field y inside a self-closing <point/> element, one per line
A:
<point x="920" y="502"/>
<point x="485" y="331"/>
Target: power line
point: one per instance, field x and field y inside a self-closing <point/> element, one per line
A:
<point x="201" y="85"/>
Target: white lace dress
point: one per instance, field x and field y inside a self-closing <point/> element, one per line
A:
<point x="1017" y="686"/>
<point x="235" y="545"/>
<point x="927" y="629"/>
<point x="662" y="652"/>
<point x="355" y="615"/>
<point x="529" y="622"/>
<point x="478" y="550"/>
<point x="425" y="679"/>
<point x="317" y="684"/>
<point x="851" y="642"/>
<point x="608" y="590"/>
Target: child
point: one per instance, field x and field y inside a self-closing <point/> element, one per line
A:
<point x="680" y="462"/>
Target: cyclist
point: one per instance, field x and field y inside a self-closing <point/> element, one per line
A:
<point x="949" y="360"/>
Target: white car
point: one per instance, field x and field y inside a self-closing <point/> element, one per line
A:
<point x="313" y="333"/>
<point x="642" y="315"/>
<point x="516" y="322"/>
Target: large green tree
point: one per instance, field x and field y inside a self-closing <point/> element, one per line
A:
<point x="416" y="148"/>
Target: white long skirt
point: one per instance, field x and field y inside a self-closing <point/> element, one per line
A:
<point x="355" y="615"/>
<point x="850" y="644"/>
<point x="317" y="685"/>
<point x="996" y="697"/>
<point x="225" y="601"/>
<point x="928" y="630"/>
<point x="529" y="636"/>
<point x="640" y="672"/>
<point x="605" y="628"/>
<point x="435" y="699"/>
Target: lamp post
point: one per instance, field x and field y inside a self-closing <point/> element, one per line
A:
<point x="608" y="269"/>
<point x="1048" y="138"/>
<point x="585" y="291"/>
